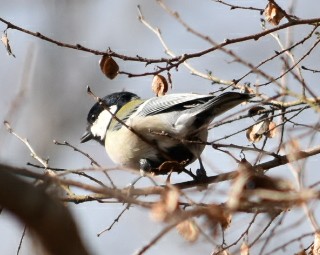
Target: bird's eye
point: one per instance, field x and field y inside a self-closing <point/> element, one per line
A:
<point x="92" y="118"/>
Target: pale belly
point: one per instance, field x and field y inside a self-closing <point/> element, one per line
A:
<point x="126" y="148"/>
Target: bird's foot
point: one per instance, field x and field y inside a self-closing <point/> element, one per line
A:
<point x="145" y="166"/>
<point x="201" y="172"/>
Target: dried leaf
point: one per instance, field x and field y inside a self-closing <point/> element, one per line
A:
<point x="167" y="206"/>
<point x="237" y="188"/>
<point x="244" y="249"/>
<point x="272" y="130"/>
<point x="294" y="150"/>
<point x="252" y="136"/>
<point x="273" y="14"/>
<point x="171" y="166"/>
<point x="248" y="179"/>
<point x="262" y="181"/>
<point x="6" y="43"/>
<point x="189" y="230"/>
<point x="316" y="244"/>
<point x="159" y="85"/>
<point x="171" y="199"/>
<point x="254" y="133"/>
<point x="109" y="67"/>
<point x="218" y="216"/>
<point x="226" y="219"/>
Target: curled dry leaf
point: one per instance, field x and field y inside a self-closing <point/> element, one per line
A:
<point x="252" y="136"/>
<point x="265" y="127"/>
<point x="159" y="85"/>
<point x="294" y="150"/>
<point x="189" y="230"/>
<point x="273" y="14"/>
<point x="316" y="244"/>
<point x="217" y="215"/>
<point x="167" y="206"/>
<point x="256" y="180"/>
<point x="238" y="184"/>
<point x="254" y="133"/>
<point x="244" y="249"/>
<point x="170" y="166"/>
<point x="226" y="219"/>
<point x="6" y="43"/>
<point x="272" y="130"/>
<point x="109" y="67"/>
<point x="262" y="181"/>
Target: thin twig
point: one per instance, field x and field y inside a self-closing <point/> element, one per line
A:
<point x="155" y="239"/>
<point x="21" y="239"/>
<point x="26" y="142"/>
<point x="115" y="220"/>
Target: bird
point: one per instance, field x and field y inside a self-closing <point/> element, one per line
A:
<point x="144" y="134"/>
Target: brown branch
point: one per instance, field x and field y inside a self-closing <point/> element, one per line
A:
<point x="293" y="66"/>
<point x="234" y="7"/>
<point x="123" y="195"/>
<point x="26" y="142"/>
<point x="109" y="52"/>
<point x="115" y="220"/>
<point x="48" y="218"/>
<point x="93" y="162"/>
<point x="280" y="53"/>
<point x="170" y="62"/>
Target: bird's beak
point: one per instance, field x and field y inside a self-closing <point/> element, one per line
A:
<point x="87" y="136"/>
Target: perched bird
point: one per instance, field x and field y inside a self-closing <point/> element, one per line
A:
<point x="143" y="134"/>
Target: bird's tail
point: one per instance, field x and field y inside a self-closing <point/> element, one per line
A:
<point x="227" y="101"/>
<point x="218" y="105"/>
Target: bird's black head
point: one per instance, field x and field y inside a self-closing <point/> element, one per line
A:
<point x="99" y="116"/>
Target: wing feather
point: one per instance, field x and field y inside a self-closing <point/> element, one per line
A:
<point x="171" y="103"/>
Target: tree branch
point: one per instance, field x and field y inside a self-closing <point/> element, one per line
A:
<point x="47" y="217"/>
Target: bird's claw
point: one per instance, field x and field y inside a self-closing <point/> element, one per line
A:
<point x="201" y="174"/>
<point x="145" y="166"/>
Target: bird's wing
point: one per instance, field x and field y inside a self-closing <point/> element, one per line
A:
<point x="171" y="103"/>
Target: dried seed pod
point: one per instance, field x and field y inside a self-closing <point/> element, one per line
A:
<point x="159" y="85"/>
<point x="109" y="67"/>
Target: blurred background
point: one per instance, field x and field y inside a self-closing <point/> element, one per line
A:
<point x="53" y="103"/>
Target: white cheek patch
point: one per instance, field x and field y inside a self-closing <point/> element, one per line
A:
<point x="99" y="127"/>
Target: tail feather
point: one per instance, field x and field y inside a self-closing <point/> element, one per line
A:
<point x="227" y="101"/>
<point x="205" y="113"/>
